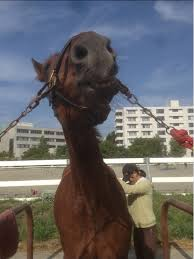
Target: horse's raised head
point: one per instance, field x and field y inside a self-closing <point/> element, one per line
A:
<point x="86" y="75"/>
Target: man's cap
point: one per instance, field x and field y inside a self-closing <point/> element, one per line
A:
<point x="130" y="168"/>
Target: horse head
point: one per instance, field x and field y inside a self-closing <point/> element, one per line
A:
<point x="86" y="76"/>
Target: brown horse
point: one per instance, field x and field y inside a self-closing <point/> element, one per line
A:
<point x="90" y="207"/>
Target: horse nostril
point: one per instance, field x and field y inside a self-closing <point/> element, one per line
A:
<point x="80" y="52"/>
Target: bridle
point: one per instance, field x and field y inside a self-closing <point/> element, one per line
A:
<point x="53" y="81"/>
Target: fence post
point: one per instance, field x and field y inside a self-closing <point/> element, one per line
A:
<point x="147" y="162"/>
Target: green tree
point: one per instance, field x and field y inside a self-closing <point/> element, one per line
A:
<point x="4" y="156"/>
<point x="147" y="147"/>
<point x="62" y="152"/>
<point x="109" y="149"/>
<point x="40" y="152"/>
<point x="176" y="150"/>
<point x="111" y="137"/>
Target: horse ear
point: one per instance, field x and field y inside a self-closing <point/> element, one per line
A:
<point x="39" y="70"/>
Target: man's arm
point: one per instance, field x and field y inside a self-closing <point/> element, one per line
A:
<point x="139" y="188"/>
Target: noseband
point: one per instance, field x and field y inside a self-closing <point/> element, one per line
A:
<point x="53" y="80"/>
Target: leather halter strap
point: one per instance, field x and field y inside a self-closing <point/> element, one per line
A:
<point x="52" y="83"/>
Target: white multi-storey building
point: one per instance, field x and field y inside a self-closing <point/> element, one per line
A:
<point x="132" y="122"/>
<point x="24" y="136"/>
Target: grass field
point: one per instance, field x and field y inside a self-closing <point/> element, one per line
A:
<point x="180" y="223"/>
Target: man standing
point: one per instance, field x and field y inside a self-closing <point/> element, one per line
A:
<point x="139" y="191"/>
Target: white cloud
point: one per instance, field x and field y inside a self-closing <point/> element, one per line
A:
<point x="169" y="78"/>
<point x="180" y="11"/>
<point x="16" y="16"/>
<point x="100" y="19"/>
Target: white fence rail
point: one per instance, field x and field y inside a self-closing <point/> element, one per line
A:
<point x="109" y="161"/>
<point x="56" y="181"/>
<point x="117" y="161"/>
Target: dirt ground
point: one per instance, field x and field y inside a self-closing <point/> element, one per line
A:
<point x="54" y="244"/>
<point x="180" y="249"/>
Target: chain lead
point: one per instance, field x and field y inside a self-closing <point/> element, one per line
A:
<point x="134" y="100"/>
<point x="42" y="93"/>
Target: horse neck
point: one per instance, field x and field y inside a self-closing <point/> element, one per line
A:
<point x="85" y="157"/>
<point x="90" y="176"/>
<point x="83" y="148"/>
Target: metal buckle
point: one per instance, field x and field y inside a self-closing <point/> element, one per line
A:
<point x="52" y="80"/>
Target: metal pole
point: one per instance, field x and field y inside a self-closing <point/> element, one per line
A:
<point x="29" y="219"/>
<point x="147" y="160"/>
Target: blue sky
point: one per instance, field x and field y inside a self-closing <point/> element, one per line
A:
<point x="153" y="41"/>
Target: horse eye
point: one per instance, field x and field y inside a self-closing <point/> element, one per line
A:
<point x="80" y="52"/>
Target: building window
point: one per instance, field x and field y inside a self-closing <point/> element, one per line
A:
<point x="145" y="118"/>
<point x="159" y="110"/>
<point x="52" y="146"/>
<point x="132" y="126"/>
<point x="119" y="142"/>
<point x="36" y="131"/>
<point x="34" y="139"/>
<point x="48" y="132"/>
<point x="118" y="113"/>
<point x="190" y="117"/>
<point x="132" y="119"/>
<point x="119" y="120"/>
<point x="159" y="125"/>
<point x="146" y="126"/>
<point x="119" y="134"/>
<point x="50" y="139"/>
<point x="22" y="131"/>
<point x="160" y="117"/>
<point x="190" y="110"/>
<point x="59" y="140"/>
<point x="23" y="145"/>
<point x="174" y="110"/>
<point x="132" y="133"/>
<point x="175" y="117"/>
<point x="190" y="131"/>
<point x="161" y="132"/>
<point x="131" y="112"/>
<point x="58" y="133"/>
<point x="191" y="124"/>
<point x="146" y="133"/>
<point x="119" y="127"/>
<point x="22" y="138"/>
<point x="175" y="124"/>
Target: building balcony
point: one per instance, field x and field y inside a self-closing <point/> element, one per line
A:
<point x="119" y="138"/>
<point x="119" y="124"/>
<point x="118" y="116"/>
<point x="119" y="131"/>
